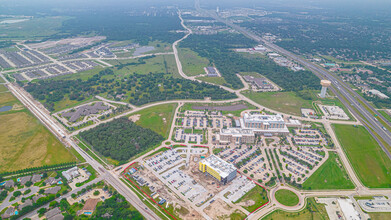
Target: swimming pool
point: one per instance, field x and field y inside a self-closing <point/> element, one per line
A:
<point x="2" y="183"/>
<point x="87" y="213"/>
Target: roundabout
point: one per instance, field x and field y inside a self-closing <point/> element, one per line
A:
<point x="286" y="197"/>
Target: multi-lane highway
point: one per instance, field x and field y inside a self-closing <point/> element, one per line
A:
<point x="109" y="177"/>
<point x="340" y="88"/>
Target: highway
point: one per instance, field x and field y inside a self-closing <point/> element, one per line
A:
<point x="344" y="91"/>
<point x="109" y="177"/>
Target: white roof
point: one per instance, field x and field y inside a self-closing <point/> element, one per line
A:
<point x="348" y="210"/>
<point x="263" y="118"/>
<point x="236" y="131"/>
<point x="219" y="165"/>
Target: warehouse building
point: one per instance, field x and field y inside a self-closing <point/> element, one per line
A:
<point x="236" y="136"/>
<point x="211" y="71"/>
<point x="219" y="169"/>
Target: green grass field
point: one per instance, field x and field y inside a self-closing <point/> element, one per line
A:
<point x="157" y="64"/>
<point x="189" y="106"/>
<point x="157" y="118"/>
<point x="35" y="28"/>
<point x="192" y="63"/>
<point x="3" y="88"/>
<point x="380" y="215"/>
<point x="287" y="102"/>
<point x="385" y="115"/>
<point x="372" y="165"/>
<point x="329" y="176"/>
<point x="25" y="142"/>
<point x="291" y="102"/>
<point x="2" y="80"/>
<point x="237" y="215"/>
<point x="287" y="197"/>
<point x="312" y="211"/>
<point x="214" y="80"/>
<point x="257" y="194"/>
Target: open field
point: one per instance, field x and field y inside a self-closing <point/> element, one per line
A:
<point x="35" y="28"/>
<point x="157" y="118"/>
<point x="3" y="88"/>
<point x="192" y="63"/>
<point x="331" y="175"/>
<point x="380" y="215"/>
<point x="287" y="102"/>
<point x="197" y="106"/>
<point x="2" y="80"/>
<point x="312" y="211"/>
<point x="372" y="165"/>
<point x="287" y="197"/>
<point x="214" y="80"/>
<point x="25" y="142"/>
<point x="385" y="115"/>
<point x="292" y="102"/>
<point x="157" y="64"/>
<point x="258" y="195"/>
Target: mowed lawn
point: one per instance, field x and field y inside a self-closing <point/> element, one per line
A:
<point x="256" y="194"/>
<point x="312" y="211"/>
<point x="157" y="118"/>
<point x="192" y="63"/>
<point x="286" y="102"/>
<point x="25" y="142"/>
<point x="329" y="176"/>
<point x="368" y="159"/>
<point x="287" y="197"/>
<point x="214" y="80"/>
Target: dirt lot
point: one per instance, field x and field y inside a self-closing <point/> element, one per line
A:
<point x="134" y="118"/>
<point x="181" y="208"/>
<point x="219" y="210"/>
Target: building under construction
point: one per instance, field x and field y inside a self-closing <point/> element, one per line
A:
<point x="219" y="169"/>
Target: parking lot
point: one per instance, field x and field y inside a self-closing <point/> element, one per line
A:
<point x="251" y="160"/>
<point x="299" y="163"/>
<point x="161" y="162"/>
<point x="187" y="186"/>
<point x="309" y="137"/>
<point x="238" y="188"/>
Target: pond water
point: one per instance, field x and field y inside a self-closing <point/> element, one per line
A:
<point x="5" y="108"/>
<point x="144" y="49"/>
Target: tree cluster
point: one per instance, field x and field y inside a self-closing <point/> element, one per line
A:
<point x="142" y="88"/>
<point x="120" y="139"/>
<point x="218" y="49"/>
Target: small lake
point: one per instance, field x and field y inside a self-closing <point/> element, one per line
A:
<point x="5" y="108"/>
<point x="142" y="50"/>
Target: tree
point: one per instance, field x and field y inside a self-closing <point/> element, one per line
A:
<point x="96" y="193"/>
<point x="17" y="193"/>
<point x="28" y="183"/>
<point x="53" y="204"/>
<point x="41" y="211"/>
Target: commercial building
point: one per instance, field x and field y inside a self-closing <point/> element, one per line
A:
<point x="236" y="136"/>
<point x="264" y="124"/>
<point x="260" y="82"/>
<point x="348" y="210"/>
<point x="211" y="71"/>
<point x="71" y="173"/>
<point x="378" y="94"/>
<point x="221" y="170"/>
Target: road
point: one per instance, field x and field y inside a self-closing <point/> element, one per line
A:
<point x="109" y="177"/>
<point x="344" y="91"/>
